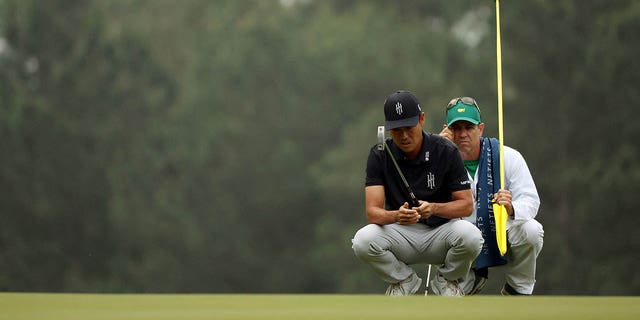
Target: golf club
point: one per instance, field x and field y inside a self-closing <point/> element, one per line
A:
<point x="426" y="287"/>
<point x="383" y="145"/>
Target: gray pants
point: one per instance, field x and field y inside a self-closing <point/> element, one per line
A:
<point x="525" y="244"/>
<point x="389" y="249"/>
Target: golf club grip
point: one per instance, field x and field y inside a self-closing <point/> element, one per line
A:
<point x="413" y="198"/>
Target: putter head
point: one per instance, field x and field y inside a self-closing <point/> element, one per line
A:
<point x="380" y="137"/>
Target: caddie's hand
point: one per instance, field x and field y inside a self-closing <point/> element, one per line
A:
<point x="405" y="215"/>
<point x="503" y="197"/>
<point x="446" y="133"/>
<point x="425" y="210"/>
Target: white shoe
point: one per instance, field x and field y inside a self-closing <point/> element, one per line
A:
<point x="405" y="287"/>
<point x="444" y="287"/>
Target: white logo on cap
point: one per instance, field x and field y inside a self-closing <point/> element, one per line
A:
<point x="399" y="108"/>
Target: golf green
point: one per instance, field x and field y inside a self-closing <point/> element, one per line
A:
<point x="32" y="306"/>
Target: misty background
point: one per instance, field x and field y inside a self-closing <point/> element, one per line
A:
<point x="220" y="146"/>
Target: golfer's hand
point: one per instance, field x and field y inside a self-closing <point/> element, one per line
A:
<point x="503" y="197"/>
<point x="405" y="215"/>
<point x="425" y="210"/>
<point x="446" y="133"/>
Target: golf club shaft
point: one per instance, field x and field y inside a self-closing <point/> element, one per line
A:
<point x="426" y="288"/>
<point x="414" y="200"/>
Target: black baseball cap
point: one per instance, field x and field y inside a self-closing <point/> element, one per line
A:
<point x="401" y="109"/>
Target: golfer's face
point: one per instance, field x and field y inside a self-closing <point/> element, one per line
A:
<point x="408" y="139"/>
<point x="466" y="135"/>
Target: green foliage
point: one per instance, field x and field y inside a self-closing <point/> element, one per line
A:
<point x="74" y="103"/>
<point x="219" y="146"/>
<point x="584" y="141"/>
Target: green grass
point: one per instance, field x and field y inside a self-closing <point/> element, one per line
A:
<point x="32" y="306"/>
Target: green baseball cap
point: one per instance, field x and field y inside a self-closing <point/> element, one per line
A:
<point x="463" y="111"/>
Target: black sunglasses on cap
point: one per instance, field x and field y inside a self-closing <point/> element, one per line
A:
<point x="466" y="100"/>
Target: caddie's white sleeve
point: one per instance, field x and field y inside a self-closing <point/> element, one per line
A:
<point x="518" y="180"/>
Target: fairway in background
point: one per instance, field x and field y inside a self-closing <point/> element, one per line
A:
<point x="32" y="306"/>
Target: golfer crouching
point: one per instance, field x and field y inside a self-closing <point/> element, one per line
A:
<point x="417" y="222"/>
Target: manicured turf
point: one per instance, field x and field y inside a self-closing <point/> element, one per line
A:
<point x="37" y="306"/>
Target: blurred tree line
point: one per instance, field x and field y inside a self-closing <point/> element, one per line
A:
<point x="219" y="146"/>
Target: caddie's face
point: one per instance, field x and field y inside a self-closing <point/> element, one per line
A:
<point x="466" y="136"/>
<point x="409" y="139"/>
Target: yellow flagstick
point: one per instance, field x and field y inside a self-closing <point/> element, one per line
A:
<point x="499" y="211"/>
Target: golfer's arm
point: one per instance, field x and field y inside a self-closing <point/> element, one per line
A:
<point x="374" y="206"/>
<point x="461" y="206"/>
